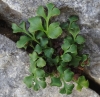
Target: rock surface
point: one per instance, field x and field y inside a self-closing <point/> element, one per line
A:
<point x="8" y="14"/>
<point x="14" y="65"/>
<point x="87" y="10"/>
<point x="93" y="49"/>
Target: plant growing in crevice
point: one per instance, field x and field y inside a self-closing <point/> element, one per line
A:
<point x="60" y="63"/>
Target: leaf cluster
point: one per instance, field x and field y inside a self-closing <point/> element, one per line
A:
<point x="40" y="35"/>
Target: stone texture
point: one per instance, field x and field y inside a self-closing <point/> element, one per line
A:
<point x="14" y="64"/>
<point x="8" y="14"/>
<point x="87" y="10"/>
<point x="93" y="49"/>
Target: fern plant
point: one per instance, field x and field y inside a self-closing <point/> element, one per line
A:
<point x="46" y="60"/>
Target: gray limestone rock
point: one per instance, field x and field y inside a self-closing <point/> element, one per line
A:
<point x="14" y="65"/>
<point x="87" y="10"/>
<point x="8" y="14"/>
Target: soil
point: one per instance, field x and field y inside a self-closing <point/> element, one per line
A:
<point x="7" y="31"/>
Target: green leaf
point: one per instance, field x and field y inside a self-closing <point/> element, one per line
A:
<point x="35" y="24"/>
<point x="22" y="25"/>
<point x="79" y="39"/>
<point x="61" y="69"/>
<point x="62" y="90"/>
<point x="75" y="61"/>
<point x="56" y="60"/>
<point x="16" y="28"/>
<point x="36" y="87"/>
<point x="54" y="31"/>
<point x="84" y="60"/>
<point x="40" y="73"/>
<point x="42" y="79"/>
<point x="20" y="28"/>
<point x="48" y="52"/>
<point x="55" y="82"/>
<point x="28" y="81"/>
<point x="66" y="57"/>
<point x="38" y="49"/>
<point x="41" y="12"/>
<point x="32" y="67"/>
<point x="84" y="57"/>
<point x="65" y="45"/>
<point x="43" y="41"/>
<point x="74" y="30"/>
<point x="52" y="11"/>
<point x="73" y="18"/>
<point x="38" y="83"/>
<point x="64" y="25"/>
<point x="33" y="56"/>
<point x="68" y="75"/>
<point x="82" y="82"/>
<point x="73" y="49"/>
<point x="23" y="41"/>
<point x="33" y="62"/>
<point x="40" y="34"/>
<point x="64" y="64"/>
<point x="69" y="39"/>
<point x="41" y="62"/>
<point x="42" y="84"/>
<point x="69" y="88"/>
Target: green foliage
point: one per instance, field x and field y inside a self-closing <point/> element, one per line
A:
<point x="54" y="30"/>
<point x="38" y="49"/>
<point x="82" y="82"/>
<point x="55" y="82"/>
<point x="61" y="61"/>
<point x="35" y="24"/>
<point x="68" y="75"/>
<point x="73" y="19"/>
<point x="41" y="62"/>
<point x="66" y="57"/>
<point x="28" y="81"/>
<point x="20" y="28"/>
<point x="75" y="61"/>
<point x="23" y="41"/>
<point x="67" y="89"/>
<point x="48" y="52"/>
<point x="79" y="39"/>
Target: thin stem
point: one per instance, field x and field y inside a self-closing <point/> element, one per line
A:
<point x="47" y="23"/>
<point x="31" y="45"/>
<point x="68" y="30"/>
<point x="64" y="82"/>
<point x="27" y="33"/>
<point x="31" y="36"/>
